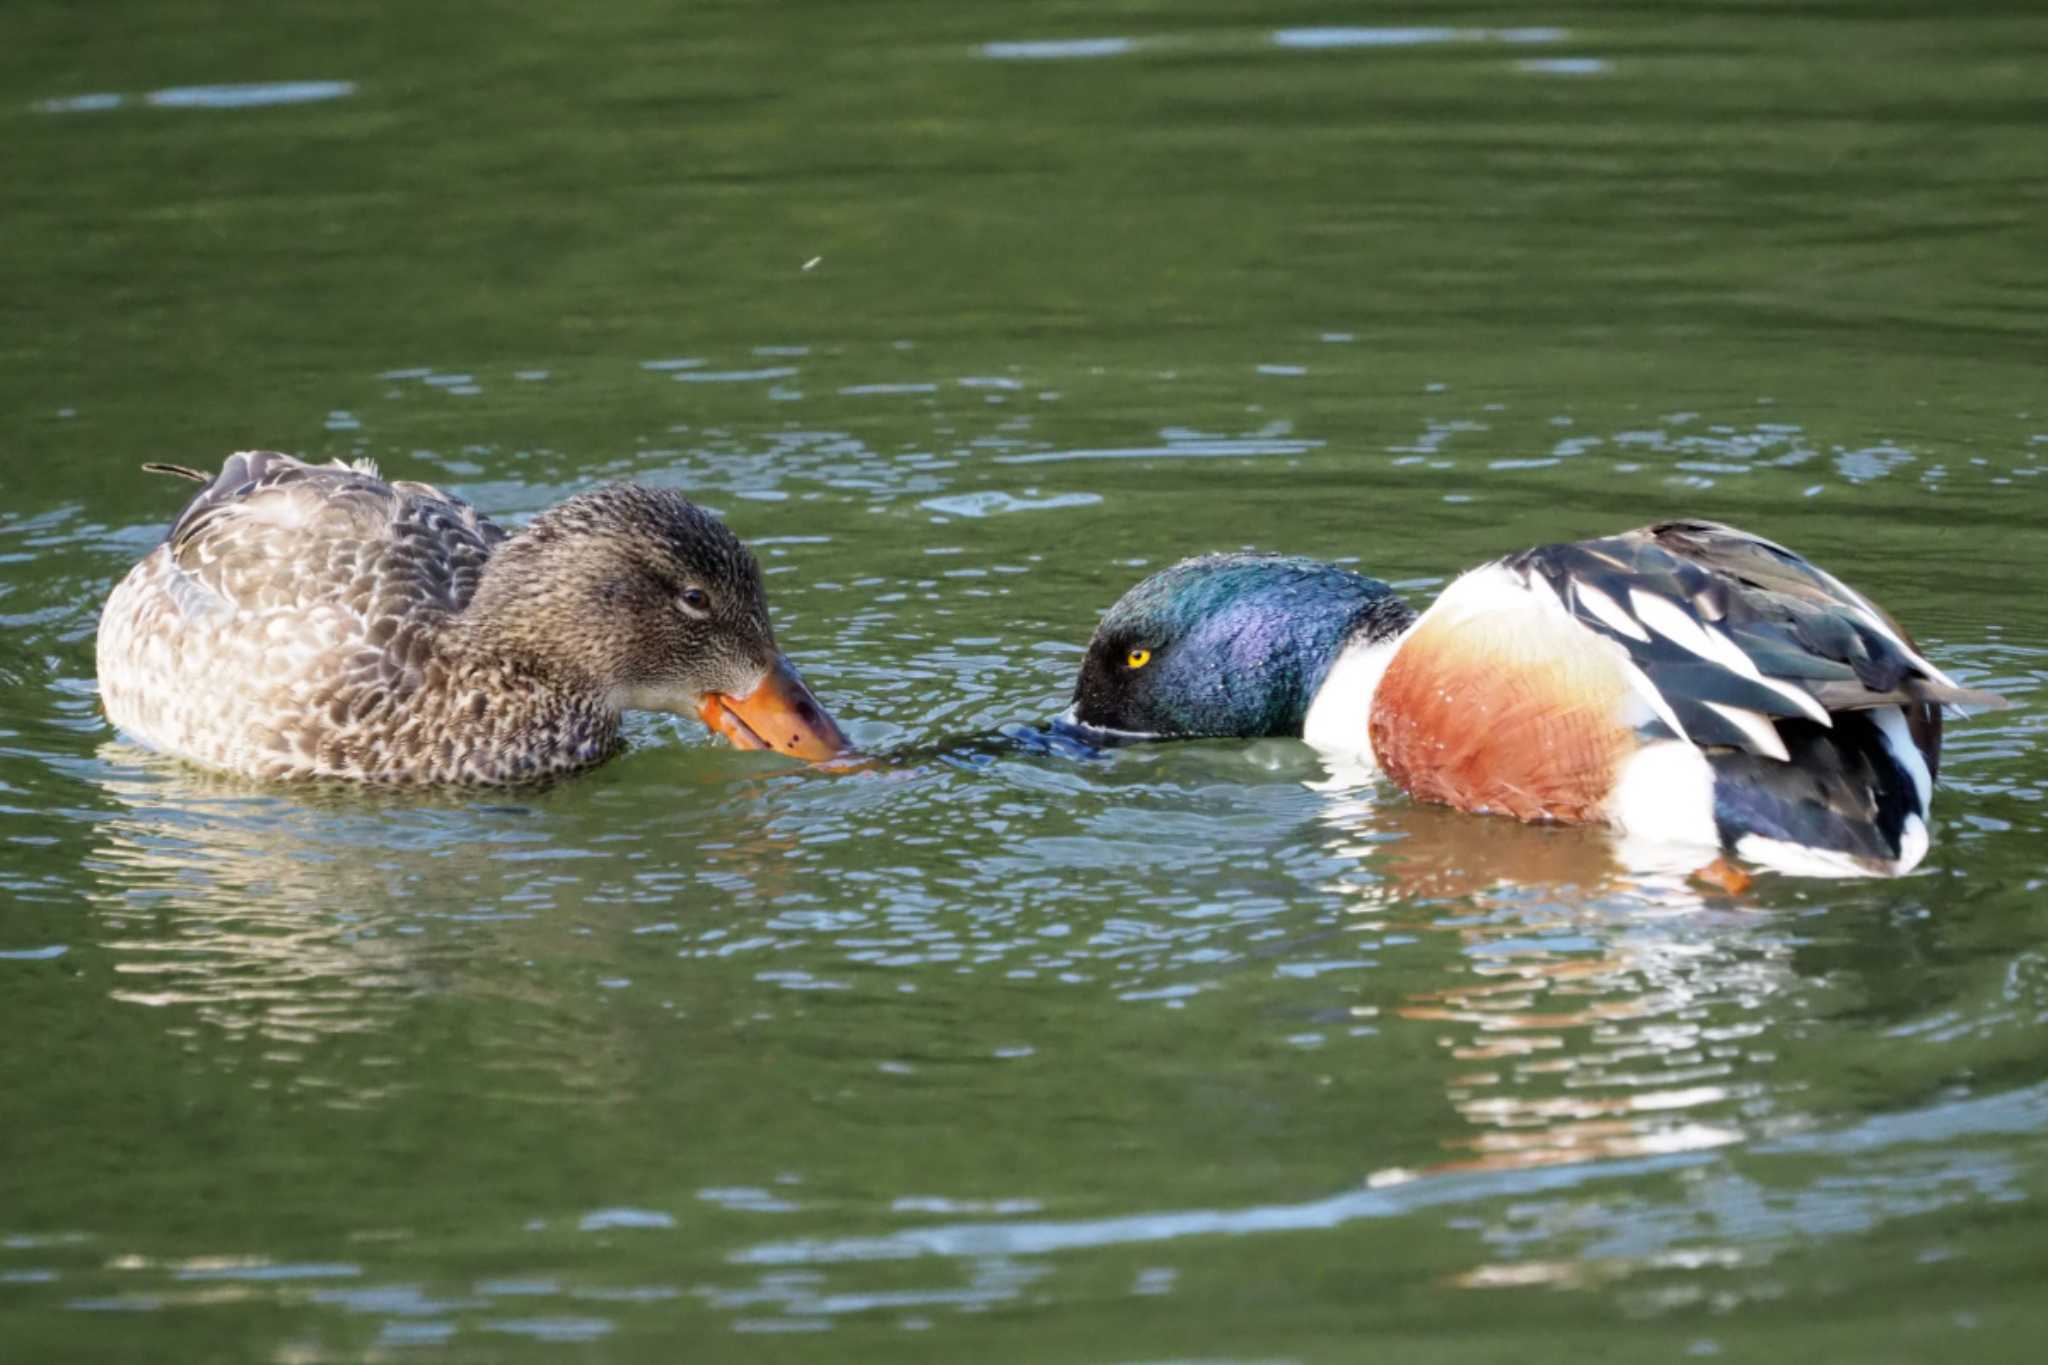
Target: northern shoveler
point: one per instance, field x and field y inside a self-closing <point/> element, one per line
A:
<point x="315" y="621"/>
<point x="1686" y="682"/>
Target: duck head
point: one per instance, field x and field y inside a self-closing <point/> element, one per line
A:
<point x="1229" y="644"/>
<point x="646" y="599"/>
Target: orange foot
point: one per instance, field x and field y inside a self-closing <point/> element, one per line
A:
<point x="1725" y="876"/>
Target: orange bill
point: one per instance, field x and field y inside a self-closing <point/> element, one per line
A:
<point x="779" y="714"/>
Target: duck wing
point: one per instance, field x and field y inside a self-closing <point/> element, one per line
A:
<point x="1730" y="633"/>
<point x="271" y="532"/>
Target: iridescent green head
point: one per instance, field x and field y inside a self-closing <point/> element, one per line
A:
<point x="1231" y="644"/>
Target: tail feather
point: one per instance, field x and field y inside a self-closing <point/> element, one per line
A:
<point x="178" y="471"/>
<point x="1845" y="793"/>
<point x="1910" y="691"/>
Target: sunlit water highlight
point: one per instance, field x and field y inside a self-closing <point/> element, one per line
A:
<point x="207" y="97"/>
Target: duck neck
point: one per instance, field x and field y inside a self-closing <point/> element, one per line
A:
<point x="524" y="622"/>
<point x="492" y="645"/>
<point x="1280" y="647"/>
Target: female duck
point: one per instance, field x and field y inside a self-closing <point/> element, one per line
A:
<point x="315" y="621"/>
<point x="1686" y="682"/>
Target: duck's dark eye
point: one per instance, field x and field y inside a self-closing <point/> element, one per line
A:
<point x="696" y="600"/>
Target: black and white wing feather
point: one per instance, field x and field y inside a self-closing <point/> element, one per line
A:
<point x="1730" y="634"/>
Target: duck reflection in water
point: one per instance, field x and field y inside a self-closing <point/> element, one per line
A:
<point x="329" y="911"/>
<point x="1597" y="1006"/>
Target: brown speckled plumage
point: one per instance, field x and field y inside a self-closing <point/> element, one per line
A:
<point x="316" y="621"/>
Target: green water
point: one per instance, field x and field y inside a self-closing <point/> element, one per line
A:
<point x="987" y="1053"/>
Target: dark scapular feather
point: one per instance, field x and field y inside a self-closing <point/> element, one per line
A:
<point x="1797" y="625"/>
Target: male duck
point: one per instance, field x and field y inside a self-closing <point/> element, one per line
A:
<point x="1687" y="682"/>
<point x="315" y="621"/>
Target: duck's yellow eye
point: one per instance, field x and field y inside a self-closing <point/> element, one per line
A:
<point x="1138" y="658"/>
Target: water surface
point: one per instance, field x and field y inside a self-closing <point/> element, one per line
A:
<point x="966" y="317"/>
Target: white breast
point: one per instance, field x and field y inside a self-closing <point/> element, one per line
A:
<point x="1339" y="720"/>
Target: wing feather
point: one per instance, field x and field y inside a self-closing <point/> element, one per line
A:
<point x="274" y="531"/>
<point x="1720" y="621"/>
